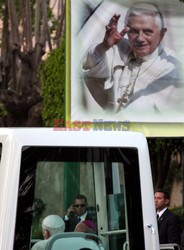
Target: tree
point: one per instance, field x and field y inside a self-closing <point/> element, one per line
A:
<point x="26" y="37"/>
<point x="52" y="77"/>
<point x="161" y="151"/>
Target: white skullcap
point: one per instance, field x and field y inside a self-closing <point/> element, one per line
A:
<point x="145" y="6"/>
<point x="53" y="222"/>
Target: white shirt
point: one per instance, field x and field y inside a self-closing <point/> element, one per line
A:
<point x="82" y="217"/>
<point x="41" y="245"/>
<point x="161" y="212"/>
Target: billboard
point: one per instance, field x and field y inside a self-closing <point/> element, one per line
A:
<point x="126" y="64"/>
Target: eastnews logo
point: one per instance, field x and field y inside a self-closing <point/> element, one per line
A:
<point x="96" y="125"/>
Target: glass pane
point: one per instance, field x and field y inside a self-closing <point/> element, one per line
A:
<point x="116" y="208"/>
<point x="53" y="192"/>
<point x="51" y="177"/>
<point x="125" y="222"/>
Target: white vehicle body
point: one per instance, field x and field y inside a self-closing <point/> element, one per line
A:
<point x="15" y="142"/>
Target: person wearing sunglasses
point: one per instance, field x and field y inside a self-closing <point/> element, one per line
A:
<point x="76" y="213"/>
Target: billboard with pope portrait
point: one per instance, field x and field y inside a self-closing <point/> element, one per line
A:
<point x="125" y="64"/>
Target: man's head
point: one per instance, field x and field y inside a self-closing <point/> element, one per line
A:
<point x="161" y="199"/>
<point x="146" y="28"/>
<point x="80" y="204"/>
<point x="52" y="224"/>
<point x="86" y="226"/>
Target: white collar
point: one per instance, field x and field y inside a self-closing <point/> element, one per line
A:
<point x="83" y="217"/>
<point x="154" y="55"/>
<point x="161" y="212"/>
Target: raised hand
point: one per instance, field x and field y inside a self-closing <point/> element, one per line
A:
<point x="70" y="210"/>
<point x="112" y="36"/>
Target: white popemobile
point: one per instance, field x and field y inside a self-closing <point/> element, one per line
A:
<point x="41" y="170"/>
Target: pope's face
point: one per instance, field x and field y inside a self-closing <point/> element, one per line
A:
<point x="144" y="34"/>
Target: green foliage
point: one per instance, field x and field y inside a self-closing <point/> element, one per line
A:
<point x="171" y="144"/>
<point x="38" y="208"/>
<point x="179" y="211"/>
<point x="52" y="77"/>
<point x="164" y="169"/>
<point x="3" y="111"/>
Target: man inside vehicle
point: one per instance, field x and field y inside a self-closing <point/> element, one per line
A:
<point x="76" y="213"/>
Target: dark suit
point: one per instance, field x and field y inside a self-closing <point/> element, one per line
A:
<point x="182" y="240"/>
<point x="73" y="221"/>
<point x="169" y="228"/>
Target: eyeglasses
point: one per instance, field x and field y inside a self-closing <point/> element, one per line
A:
<point x="79" y="205"/>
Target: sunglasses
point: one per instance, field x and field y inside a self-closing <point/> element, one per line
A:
<point x="79" y="205"/>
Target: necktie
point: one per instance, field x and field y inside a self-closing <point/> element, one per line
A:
<point x="78" y="219"/>
<point x="157" y="217"/>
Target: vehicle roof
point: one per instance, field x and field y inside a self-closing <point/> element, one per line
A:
<point x="50" y="137"/>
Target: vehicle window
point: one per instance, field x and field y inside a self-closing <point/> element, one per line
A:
<point x="56" y="185"/>
<point x="51" y="177"/>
